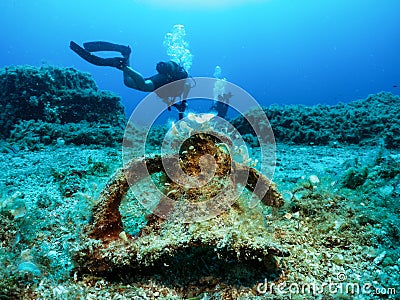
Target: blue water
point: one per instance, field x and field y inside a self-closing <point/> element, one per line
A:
<point x="280" y="51"/>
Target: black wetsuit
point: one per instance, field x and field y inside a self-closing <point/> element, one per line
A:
<point x="160" y="79"/>
<point x="221" y="108"/>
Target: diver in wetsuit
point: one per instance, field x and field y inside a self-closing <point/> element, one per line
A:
<point x="168" y="72"/>
<point x="221" y="106"/>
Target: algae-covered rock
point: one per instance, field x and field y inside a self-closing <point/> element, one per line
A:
<point x="354" y="177"/>
<point x="363" y="122"/>
<point x="46" y="103"/>
<point x="175" y="239"/>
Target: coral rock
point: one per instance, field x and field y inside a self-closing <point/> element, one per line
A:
<point x="238" y="232"/>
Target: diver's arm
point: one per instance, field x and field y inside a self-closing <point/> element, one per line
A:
<point x="135" y="80"/>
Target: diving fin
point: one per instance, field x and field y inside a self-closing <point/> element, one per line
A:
<point x="117" y="62"/>
<point x="107" y="46"/>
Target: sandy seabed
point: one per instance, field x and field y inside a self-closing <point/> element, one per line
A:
<point x="344" y="242"/>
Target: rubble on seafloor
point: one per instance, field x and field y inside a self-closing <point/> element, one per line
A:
<point x="234" y="239"/>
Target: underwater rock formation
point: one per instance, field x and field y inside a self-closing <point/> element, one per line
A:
<point x="41" y="105"/>
<point x="364" y="122"/>
<point x="239" y="233"/>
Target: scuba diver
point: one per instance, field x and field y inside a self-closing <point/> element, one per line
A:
<point x="167" y="72"/>
<point x="221" y="106"/>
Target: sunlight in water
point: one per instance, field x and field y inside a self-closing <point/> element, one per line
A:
<point x="196" y="4"/>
